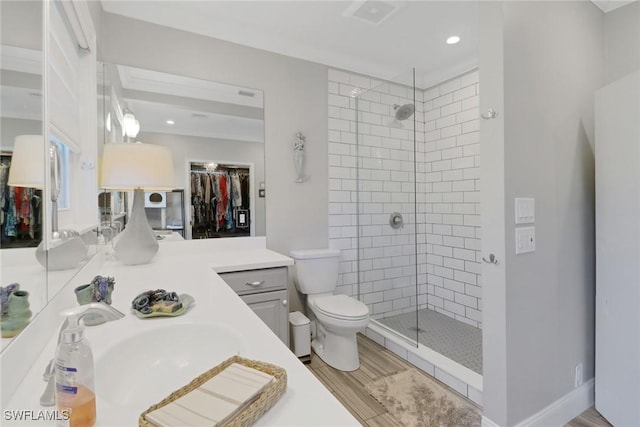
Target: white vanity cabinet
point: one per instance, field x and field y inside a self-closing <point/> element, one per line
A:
<point x="265" y="292"/>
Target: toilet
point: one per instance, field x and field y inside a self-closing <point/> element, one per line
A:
<point x="338" y="317"/>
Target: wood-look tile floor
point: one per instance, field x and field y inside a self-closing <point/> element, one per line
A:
<point x="376" y="362"/>
<point x="589" y="418"/>
<point x="348" y="387"/>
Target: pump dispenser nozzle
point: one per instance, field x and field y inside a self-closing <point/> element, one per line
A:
<point x="72" y="331"/>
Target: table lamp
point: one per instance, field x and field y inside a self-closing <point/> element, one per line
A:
<point x="27" y="170"/>
<point x="137" y="167"/>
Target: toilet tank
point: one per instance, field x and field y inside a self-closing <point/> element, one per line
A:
<point x="316" y="270"/>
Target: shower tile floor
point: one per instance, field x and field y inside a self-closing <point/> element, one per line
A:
<point x="451" y="338"/>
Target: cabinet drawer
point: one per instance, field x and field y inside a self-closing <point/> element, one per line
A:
<point x="254" y="281"/>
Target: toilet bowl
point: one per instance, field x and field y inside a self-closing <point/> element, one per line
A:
<point x="338" y="317"/>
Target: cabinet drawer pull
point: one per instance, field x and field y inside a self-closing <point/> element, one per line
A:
<point x="285" y="302"/>
<point x="255" y="284"/>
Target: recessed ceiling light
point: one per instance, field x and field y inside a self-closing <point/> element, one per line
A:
<point x="453" y="40"/>
<point x="170" y="122"/>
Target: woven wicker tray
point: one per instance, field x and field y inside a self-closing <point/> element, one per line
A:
<point x="251" y="412"/>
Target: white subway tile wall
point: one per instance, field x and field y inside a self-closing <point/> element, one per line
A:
<point x="440" y="177"/>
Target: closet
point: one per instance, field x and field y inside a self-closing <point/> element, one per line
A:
<point x="20" y="211"/>
<point x="220" y="200"/>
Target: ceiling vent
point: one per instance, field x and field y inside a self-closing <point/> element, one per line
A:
<point x="372" y="11"/>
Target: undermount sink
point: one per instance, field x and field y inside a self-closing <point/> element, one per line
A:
<point x="146" y="367"/>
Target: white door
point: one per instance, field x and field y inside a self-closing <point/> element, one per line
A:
<point x="618" y="251"/>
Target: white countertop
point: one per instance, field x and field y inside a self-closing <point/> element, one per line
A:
<point x="188" y="267"/>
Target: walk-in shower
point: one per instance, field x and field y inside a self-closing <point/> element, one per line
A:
<point x="421" y="280"/>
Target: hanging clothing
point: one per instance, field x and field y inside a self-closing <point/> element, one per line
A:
<point x="10" y="220"/>
<point x="207" y="188"/>
<point x="215" y="198"/>
<point x="244" y="183"/>
<point x="237" y="191"/>
<point x="223" y="200"/>
<point x="4" y="196"/>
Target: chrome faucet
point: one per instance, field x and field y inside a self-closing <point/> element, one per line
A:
<point x="98" y="308"/>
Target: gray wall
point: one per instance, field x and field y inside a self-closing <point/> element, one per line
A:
<point x="10" y="128"/>
<point x="553" y="63"/>
<point x="185" y="148"/>
<point x="295" y="100"/>
<point x="622" y="36"/>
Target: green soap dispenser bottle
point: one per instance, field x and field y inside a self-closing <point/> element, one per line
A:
<point x="75" y="397"/>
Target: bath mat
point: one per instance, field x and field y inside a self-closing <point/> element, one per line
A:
<point x="414" y="399"/>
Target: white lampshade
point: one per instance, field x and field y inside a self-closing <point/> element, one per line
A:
<point x="130" y="166"/>
<point x="27" y="162"/>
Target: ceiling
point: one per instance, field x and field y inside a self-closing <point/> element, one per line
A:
<point x="609" y="5"/>
<point x="412" y="35"/>
<point x="21" y="89"/>
<point x="195" y="107"/>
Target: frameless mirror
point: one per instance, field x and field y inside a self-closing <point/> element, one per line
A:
<point x="216" y="134"/>
<point x="23" y="279"/>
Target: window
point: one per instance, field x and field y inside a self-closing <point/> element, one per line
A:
<point x="63" y="198"/>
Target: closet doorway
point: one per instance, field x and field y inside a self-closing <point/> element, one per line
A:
<point x="220" y="199"/>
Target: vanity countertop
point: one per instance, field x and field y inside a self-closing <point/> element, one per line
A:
<point x="188" y="267"/>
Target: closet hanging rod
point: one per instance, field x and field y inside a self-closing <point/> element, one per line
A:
<point x="203" y="166"/>
<point x="239" y="172"/>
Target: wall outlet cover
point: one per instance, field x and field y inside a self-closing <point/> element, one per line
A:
<point x="525" y="240"/>
<point x="578" y="376"/>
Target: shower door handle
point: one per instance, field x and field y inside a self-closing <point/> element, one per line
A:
<point x="492" y="259"/>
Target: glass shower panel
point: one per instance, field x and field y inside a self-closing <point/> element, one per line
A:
<point x="387" y="124"/>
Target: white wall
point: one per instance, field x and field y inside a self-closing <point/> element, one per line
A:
<point x="185" y="148"/>
<point x="622" y="41"/>
<point x="21" y="24"/>
<point x="295" y="100"/>
<point x="492" y="175"/>
<point x="451" y="192"/>
<point x="553" y="62"/>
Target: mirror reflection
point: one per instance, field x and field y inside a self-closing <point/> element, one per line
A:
<point x="215" y="132"/>
<point x="24" y="280"/>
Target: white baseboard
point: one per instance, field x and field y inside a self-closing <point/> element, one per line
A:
<point x="562" y="410"/>
<point x="486" y="422"/>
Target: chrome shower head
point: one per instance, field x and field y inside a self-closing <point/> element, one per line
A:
<point x="403" y="112"/>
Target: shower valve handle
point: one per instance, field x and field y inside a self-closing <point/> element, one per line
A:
<point x="396" y="221"/>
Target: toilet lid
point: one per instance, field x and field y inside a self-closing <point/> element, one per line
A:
<point x="342" y="306"/>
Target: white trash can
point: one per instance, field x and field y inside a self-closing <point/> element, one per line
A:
<point x="301" y="334"/>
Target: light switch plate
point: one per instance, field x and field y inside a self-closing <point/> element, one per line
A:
<point x="525" y="240"/>
<point x="525" y="210"/>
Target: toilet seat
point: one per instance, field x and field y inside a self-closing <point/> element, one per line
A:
<point x="341" y="307"/>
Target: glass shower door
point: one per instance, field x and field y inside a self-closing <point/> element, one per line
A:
<point x="387" y="123"/>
